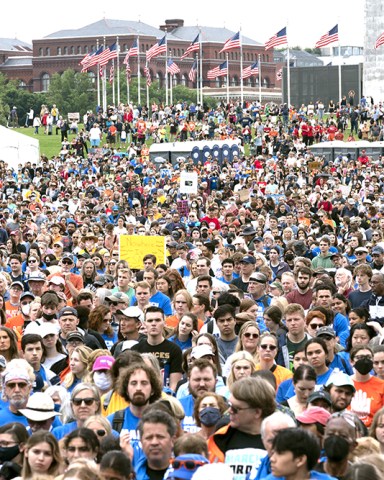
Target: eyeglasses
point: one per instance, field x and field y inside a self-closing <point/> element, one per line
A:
<point x="78" y="449"/>
<point x="251" y="335"/>
<point x="315" y="326"/>
<point x="265" y="346"/>
<point x="236" y="410"/>
<point x="20" y="385"/>
<point x="187" y="464"/>
<point x="32" y="261"/>
<point x="66" y="262"/>
<point x="78" y="401"/>
<point x="363" y="357"/>
<point x="56" y="245"/>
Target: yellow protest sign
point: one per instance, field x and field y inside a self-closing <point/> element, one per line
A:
<point x="134" y="247"/>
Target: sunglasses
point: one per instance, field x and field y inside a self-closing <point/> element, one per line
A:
<point x="236" y="410"/>
<point x="66" y="262"/>
<point x="268" y="347"/>
<point x="79" y="449"/>
<point x="314" y="326"/>
<point x="32" y="261"/>
<point x="187" y="464"/>
<point x="78" y="401"/>
<point x="13" y="385"/>
<point x="100" y="433"/>
<point x="251" y="335"/>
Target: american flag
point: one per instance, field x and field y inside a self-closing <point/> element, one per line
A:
<point x="86" y="60"/>
<point x="108" y="54"/>
<point x="100" y="71"/>
<point x="219" y="71"/>
<point x="279" y="39"/>
<point x="379" y="41"/>
<point x="193" y="47"/>
<point x="172" y="68"/>
<point x="251" y="70"/>
<point x="329" y="37"/>
<point x="279" y="74"/>
<point x="230" y="44"/>
<point x="193" y="72"/>
<point x="148" y="75"/>
<point x="155" y="50"/>
<point x="94" y="59"/>
<point x="128" y="72"/>
<point x="112" y="73"/>
<point x="132" y="52"/>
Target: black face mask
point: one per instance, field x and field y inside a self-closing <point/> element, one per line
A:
<point x="364" y="366"/>
<point x="209" y="416"/>
<point x="49" y="317"/>
<point x="8" y="453"/>
<point x="289" y="257"/>
<point x="336" y="448"/>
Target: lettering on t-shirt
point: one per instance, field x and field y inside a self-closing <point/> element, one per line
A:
<point x="242" y="460"/>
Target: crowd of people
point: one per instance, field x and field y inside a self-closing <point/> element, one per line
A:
<point x="254" y="349"/>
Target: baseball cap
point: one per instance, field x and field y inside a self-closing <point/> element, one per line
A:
<point x="320" y="395"/>
<point x="27" y="294"/>
<point x="40" y="407"/>
<point x="56" y="280"/>
<point x="340" y="379"/>
<point x="37" y="278"/>
<point x="258" y="277"/>
<point x="103" y="363"/>
<point x="361" y="249"/>
<point x="180" y="464"/>
<point x="132" y="312"/>
<point x="121" y="297"/>
<point x="377" y="250"/>
<point x="314" y="415"/>
<point x="68" y="256"/>
<point x="201" y="351"/>
<point x="100" y="281"/>
<point x="68" y="311"/>
<point x="75" y="336"/>
<point x="248" y="259"/>
<point x="327" y="330"/>
<point x="18" y="284"/>
<point x="47" y="328"/>
<point x="172" y="244"/>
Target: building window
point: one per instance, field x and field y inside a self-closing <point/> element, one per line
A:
<point x="183" y="80"/>
<point x="216" y="54"/>
<point x="182" y="51"/>
<point x="48" y="52"/>
<point x="217" y="81"/>
<point x="59" y="51"/>
<point x="65" y="50"/>
<point x="257" y="81"/>
<point x="266" y="82"/>
<point x="40" y="52"/>
<point x="79" y="50"/>
<point x="86" y="49"/>
<point x="263" y="57"/>
<point x="267" y="58"/>
<point x="178" y="52"/>
<point x="72" y="50"/>
<point x="45" y="79"/>
<point x="22" y="84"/>
<point x="234" y="81"/>
<point x="92" y="77"/>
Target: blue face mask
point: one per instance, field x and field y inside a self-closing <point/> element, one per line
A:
<point x="209" y="416"/>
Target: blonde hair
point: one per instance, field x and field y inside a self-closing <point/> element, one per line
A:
<point x="84" y="353"/>
<point x="100" y="419"/>
<point x="236" y="357"/>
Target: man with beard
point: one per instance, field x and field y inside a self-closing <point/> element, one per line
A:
<point x="202" y="378"/>
<point x="17" y="387"/>
<point x="341" y="390"/>
<point x="139" y="385"/>
<point x="303" y="293"/>
<point x="339" y="443"/>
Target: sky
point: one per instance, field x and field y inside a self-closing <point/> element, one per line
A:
<point x="306" y="21"/>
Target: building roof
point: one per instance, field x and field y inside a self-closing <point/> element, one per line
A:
<point x="209" y="34"/>
<point x="18" y="62"/>
<point x="300" y="55"/>
<point x="14" y="45"/>
<point x="107" y="27"/>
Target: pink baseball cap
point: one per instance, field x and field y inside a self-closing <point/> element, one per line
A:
<point x="314" y="415"/>
<point x="103" y="363"/>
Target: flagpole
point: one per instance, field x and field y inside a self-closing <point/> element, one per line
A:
<point x="171" y="89"/>
<point x="98" y="78"/>
<point x="138" y="72"/>
<point x="128" y="93"/>
<point x="118" y="70"/>
<point x="104" y="86"/>
<point x="260" y="79"/>
<point x="227" y="78"/>
<point x="201" y="69"/>
<point x="166" y="70"/>
<point x="288" y="75"/>
<point x="340" y="94"/>
<point x="113" y="84"/>
<point x="197" y="79"/>
<point x="146" y="82"/>
<point x="241" y="69"/>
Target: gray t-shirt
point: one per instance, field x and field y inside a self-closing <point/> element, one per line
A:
<point x="226" y="348"/>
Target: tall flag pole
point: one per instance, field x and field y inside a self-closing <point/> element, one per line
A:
<point x="172" y="69"/>
<point x="138" y="72"/>
<point x="112" y="81"/>
<point x="280" y="38"/>
<point x="128" y="77"/>
<point x="201" y="67"/>
<point x="104" y="84"/>
<point x="148" y="79"/>
<point x="260" y="80"/>
<point x="98" y="80"/>
<point x="231" y="44"/>
<point x="340" y="92"/>
<point x="193" y="74"/>
<point x="118" y="70"/>
<point x="330" y="37"/>
<point x="166" y="71"/>
<point x="288" y="76"/>
<point x="226" y="55"/>
<point x="241" y="70"/>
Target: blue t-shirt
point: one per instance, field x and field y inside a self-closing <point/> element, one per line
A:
<point x="188" y="423"/>
<point x="109" y="341"/>
<point x="182" y="345"/>
<point x="285" y="391"/>
<point x="322" y="379"/>
<point x="158" y="300"/>
<point x="130" y="423"/>
<point x="61" y="432"/>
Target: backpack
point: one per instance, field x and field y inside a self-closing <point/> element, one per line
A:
<point x="118" y="420"/>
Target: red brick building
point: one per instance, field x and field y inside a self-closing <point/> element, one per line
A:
<point x="66" y="48"/>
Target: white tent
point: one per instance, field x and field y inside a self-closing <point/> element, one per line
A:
<point x="16" y="148"/>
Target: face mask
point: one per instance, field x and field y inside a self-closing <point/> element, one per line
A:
<point x="289" y="256"/>
<point x="49" y="316"/>
<point x="102" y="380"/>
<point x="26" y="309"/>
<point x="209" y="416"/>
<point x="364" y="366"/>
<point x="8" y="453"/>
<point x="336" y="448"/>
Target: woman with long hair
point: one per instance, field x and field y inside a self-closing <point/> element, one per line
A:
<point x="249" y="335"/>
<point x="185" y="331"/>
<point x="8" y="344"/>
<point x="100" y="320"/>
<point x="304" y="383"/>
<point x="81" y="443"/>
<point x="42" y="456"/>
<point x="316" y="351"/>
<point x="164" y="285"/>
<point x="267" y="350"/>
<point x="14" y="435"/>
<point x="3" y="315"/>
<point x="182" y="304"/>
<point x="88" y="272"/>
<point x="242" y="365"/>
<point x="78" y="363"/>
<point x="55" y="356"/>
<point x="176" y="280"/>
<point x="98" y="260"/>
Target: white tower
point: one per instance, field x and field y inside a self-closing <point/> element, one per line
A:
<point x="373" y="68"/>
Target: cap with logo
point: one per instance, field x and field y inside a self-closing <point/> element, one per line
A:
<point x="66" y="311"/>
<point x="75" y="336"/>
<point x="103" y="362"/>
<point x="327" y="330"/>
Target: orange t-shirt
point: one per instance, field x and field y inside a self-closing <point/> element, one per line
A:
<point x="280" y="373"/>
<point x="76" y="280"/>
<point x="11" y="310"/>
<point x="368" y="399"/>
<point x="16" y="324"/>
<point x="173" y="320"/>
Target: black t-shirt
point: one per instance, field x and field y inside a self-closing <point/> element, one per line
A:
<point x="156" y="474"/>
<point x="238" y="282"/>
<point x="168" y="354"/>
